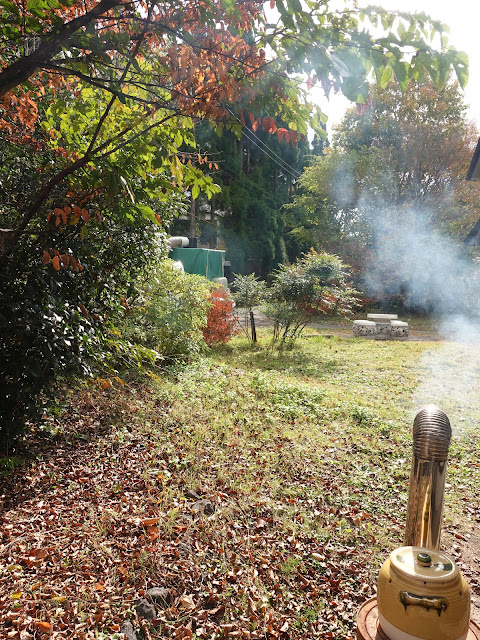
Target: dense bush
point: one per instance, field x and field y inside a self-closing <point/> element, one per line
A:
<point x="61" y="284"/>
<point x="314" y="285"/>
<point x="57" y="320"/>
<point x="169" y="312"/>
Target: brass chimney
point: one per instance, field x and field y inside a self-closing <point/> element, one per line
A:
<point x="431" y="438"/>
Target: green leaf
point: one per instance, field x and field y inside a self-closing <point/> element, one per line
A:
<point x="402" y="73"/>
<point x="386" y="76"/>
<point x="10" y="6"/>
<point x="460" y="64"/>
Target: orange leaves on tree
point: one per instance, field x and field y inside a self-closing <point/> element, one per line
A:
<point x="58" y="259"/>
<point x="269" y="125"/>
<point x="283" y="133"/>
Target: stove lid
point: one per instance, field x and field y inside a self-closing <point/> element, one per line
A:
<point x="424" y="564"/>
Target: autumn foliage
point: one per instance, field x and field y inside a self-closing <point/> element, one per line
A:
<point x="221" y="322"/>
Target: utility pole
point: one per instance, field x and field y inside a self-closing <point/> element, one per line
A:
<point x="191" y="233"/>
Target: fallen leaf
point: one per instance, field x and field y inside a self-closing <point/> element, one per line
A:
<point x="186" y="602"/>
<point x="148" y="522"/>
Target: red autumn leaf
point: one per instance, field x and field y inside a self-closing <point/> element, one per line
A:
<point x="42" y="626"/>
<point x="149" y="522"/>
<point x="56" y="263"/>
<point x="85" y="215"/>
<point x="46" y="257"/>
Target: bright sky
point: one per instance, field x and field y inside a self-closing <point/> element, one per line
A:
<point x="463" y="18"/>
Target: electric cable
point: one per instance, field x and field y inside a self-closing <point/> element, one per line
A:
<point x="247" y="132"/>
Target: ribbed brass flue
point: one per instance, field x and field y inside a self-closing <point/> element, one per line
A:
<point x="431" y="438"/>
<point x="431" y="434"/>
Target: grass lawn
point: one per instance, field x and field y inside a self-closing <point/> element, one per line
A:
<point x="262" y="489"/>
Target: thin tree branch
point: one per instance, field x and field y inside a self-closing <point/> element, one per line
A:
<point x="61" y="175"/>
<point x="104" y="115"/>
<point x="22" y="69"/>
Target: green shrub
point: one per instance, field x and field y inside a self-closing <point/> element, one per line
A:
<point x="316" y="284"/>
<point x="248" y="292"/>
<point x="169" y="312"/>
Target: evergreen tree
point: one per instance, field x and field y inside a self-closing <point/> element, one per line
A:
<point x="257" y="175"/>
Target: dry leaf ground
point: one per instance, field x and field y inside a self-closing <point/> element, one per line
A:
<point x="263" y="490"/>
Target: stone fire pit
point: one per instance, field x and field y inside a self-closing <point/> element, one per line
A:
<point x="381" y="326"/>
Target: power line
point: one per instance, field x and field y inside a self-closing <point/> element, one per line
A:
<point x="288" y="168"/>
<point x="272" y="151"/>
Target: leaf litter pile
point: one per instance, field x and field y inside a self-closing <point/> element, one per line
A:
<point x="224" y="502"/>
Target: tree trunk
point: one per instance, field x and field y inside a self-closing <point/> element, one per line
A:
<point x="252" y="326"/>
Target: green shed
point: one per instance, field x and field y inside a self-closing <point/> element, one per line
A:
<point x="204" y="262"/>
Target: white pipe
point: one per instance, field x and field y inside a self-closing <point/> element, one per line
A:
<point x="177" y="241"/>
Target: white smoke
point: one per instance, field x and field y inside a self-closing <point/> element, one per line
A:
<point x="435" y="274"/>
<point x="415" y="260"/>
